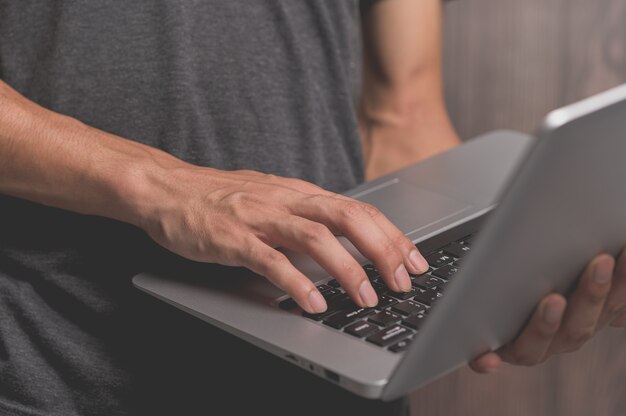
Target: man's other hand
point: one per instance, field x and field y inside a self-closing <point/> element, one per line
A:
<point x="559" y="325"/>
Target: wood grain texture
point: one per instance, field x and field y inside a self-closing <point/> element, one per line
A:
<point x="506" y="64"/>
<point x="509" y="62"/>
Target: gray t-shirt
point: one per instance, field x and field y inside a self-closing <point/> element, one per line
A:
<point x="264" y="85"/>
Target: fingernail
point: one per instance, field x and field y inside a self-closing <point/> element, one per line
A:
<point x="402" y="278"/>
<point x="601" y="275"/>
<point x="552" y="314"/>
<point x="367" y="294"/>
<point x="419" y="262"/>
<point x="317" y="302"/>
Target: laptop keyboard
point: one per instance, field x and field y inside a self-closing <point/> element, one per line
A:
<point x="398" y="317"/>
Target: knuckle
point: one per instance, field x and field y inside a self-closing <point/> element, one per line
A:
<point x="595" y="298"/>
<point x="352" y="271"/>
<point x="250" y="251"/>
<point x="595" y="295"/>
<point x="371" y="210"/>
<point x="389" y="249"/>
<point x="615" y="309"/>
<point x="314" y="234"/>
<point x="352" y="211"/>
<point x="317" y="200"/>
<point x="545" y="331"/>
<point x="401" y="241"/>
<point x="520" y="358"/>
<point x="273" y="259"/>
<point x="578" y="336"/>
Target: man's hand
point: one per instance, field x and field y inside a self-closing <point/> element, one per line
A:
<point x="559" y="325"/>
<point x="239" y="218"/>
<point x="231" y="218"/>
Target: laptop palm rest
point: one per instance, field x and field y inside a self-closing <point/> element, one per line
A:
<point x="419" y="208"/>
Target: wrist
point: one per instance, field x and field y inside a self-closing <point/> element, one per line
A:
<point x="56" y="160"/>
<point x="143" y="187"/>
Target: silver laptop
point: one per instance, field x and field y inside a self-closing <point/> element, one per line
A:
<point x="561" y="201"/>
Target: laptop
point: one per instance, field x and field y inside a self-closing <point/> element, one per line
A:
<point x="503" y="220"/>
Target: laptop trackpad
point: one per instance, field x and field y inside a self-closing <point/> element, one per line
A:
<point x="410" y="207"/>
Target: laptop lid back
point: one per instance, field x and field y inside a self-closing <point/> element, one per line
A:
<point x="566" y="204"/>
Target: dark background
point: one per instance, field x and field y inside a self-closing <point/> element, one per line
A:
<point x="507" y="63"/>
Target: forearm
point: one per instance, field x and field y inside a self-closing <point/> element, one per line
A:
<point x="402" y="113"/>
<point x="394" y="139"/>
<point x="58" y="161"/>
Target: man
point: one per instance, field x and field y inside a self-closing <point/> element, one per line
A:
<point x="124" y="129"/>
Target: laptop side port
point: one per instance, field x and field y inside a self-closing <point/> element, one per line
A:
<point x="292" y="358"/>
<point x="331" y="375"/>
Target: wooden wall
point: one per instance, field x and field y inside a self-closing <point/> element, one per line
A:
<point x="507" y="63"/>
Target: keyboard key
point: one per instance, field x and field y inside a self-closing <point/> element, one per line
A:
<point x="329" y="292"/>
<point x="385" y="301"/>
<point x="439" y="259"/>
<point x="384" y="318"/>
<point x="380" y="288"/>
<point x="415" y="321"/>
<point x="334" y="283"/>
<point x="371" y="272"/>
<point x="389" y="335"/>
<point x="415" y="277"/>
<point x="401" y="346"/>
<point x="426" y="281"/>
<point x="403" y="295"/>
<point x="408" y="308"/>
<point x="412" y="275"/>
<point x="341" y="302"/>
<point x="361" y="329"/>
<point x="318" y="316"/>
<point x="427" y="296"/>
<point x="288" y="304"/>
<point x="457" y="249"/>
<point x="343" y="318"/>
<point x="441" y="287"/>
<point x="446" y="272"/>
<point x="323" y="287"/>
<point x="468" y="240"/>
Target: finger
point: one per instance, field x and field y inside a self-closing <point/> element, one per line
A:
<point x="352" y="220"/>
<point x="413" y="260"/>
<point x="532" y="345"/>
<point x="274" y="265"/>
<point x="615" y="304"/>
<point x="620" y="321"/>
<point x="585" y="305"/>
<point x="486" y="363"/>
<point x="316" y="240"/>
